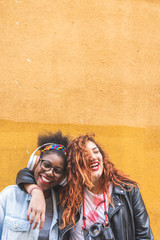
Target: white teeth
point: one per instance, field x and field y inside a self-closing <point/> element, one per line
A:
<point x="94" y="165"/>
<point x="45" y="180"/>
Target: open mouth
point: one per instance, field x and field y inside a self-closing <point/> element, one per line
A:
<point x="94" y="166"/>
<point x="45" y="180"/>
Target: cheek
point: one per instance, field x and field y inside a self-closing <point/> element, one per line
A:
<point x="102" y="166"/>
<point x="36" y="176"/>
<point x="36" y="173"/>
<point x="101" y="159"/>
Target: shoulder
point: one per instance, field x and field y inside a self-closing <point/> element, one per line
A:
<point x="126" y="189"/>
<point x="10" y="190"/>
<point x="131" y="194"/>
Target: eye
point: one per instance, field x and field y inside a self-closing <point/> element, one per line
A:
<point x="58" y="170"/>
<point x="96" y="151"/>
<point x="46" y="165"/>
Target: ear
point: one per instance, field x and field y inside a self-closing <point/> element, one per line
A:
<point x="32" y="163"/>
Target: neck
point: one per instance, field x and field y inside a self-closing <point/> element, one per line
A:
<point x="47" y="193"/>
<point x="97" y="188"/>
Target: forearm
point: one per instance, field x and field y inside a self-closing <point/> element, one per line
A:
<point x="36" y="211"/>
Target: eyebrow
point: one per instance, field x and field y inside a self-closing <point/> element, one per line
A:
<point x="94" y="148"/>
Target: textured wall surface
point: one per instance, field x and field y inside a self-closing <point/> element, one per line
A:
<point x="83" y="66"/>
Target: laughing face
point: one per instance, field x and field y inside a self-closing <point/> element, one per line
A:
<point x="95" y="160"/>
<point x="45" y="178"/>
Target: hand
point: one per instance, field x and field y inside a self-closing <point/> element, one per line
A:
<point x="37" y="209"/>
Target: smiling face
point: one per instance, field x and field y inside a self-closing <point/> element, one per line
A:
<point x="46" y="179"/>
<point x="95" y="160"/>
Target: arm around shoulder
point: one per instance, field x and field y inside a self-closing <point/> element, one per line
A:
<point x="25" y="176"/>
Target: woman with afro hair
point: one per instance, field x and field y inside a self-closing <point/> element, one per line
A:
<point x="16" y="204"/>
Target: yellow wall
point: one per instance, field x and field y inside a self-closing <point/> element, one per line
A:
<point x="83" y="66"/>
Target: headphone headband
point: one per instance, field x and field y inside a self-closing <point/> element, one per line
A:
<point x="33" y="158"/>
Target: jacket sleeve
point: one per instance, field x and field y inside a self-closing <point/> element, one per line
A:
<point x="25" y="176"/>
<point x="141" y="218"/>
<point x="2" y="211"/>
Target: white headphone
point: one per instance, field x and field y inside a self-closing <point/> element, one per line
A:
<point x="33" y="161"/>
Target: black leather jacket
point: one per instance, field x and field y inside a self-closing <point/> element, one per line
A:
<point x="128" y="218"/>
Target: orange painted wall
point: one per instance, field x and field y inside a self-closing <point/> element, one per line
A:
<point x="83" y="66"/>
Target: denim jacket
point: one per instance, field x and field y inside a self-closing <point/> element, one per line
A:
<point x="13" y="211"/>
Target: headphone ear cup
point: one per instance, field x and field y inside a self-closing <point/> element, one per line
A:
<point x="36" y="160"/>
<point x="63" y="182"/>
<point x="32" y="163"/>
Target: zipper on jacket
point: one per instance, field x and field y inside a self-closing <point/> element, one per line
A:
<point x="66" y="231"/>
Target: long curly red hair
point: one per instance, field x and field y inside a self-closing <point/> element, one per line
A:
<point x="79" y="175"/>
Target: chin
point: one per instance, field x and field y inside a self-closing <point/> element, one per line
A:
<point x="96" y="176"/>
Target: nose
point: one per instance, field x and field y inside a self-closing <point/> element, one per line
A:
<point x="50" y="172"/>
<point x="92" y="156"/>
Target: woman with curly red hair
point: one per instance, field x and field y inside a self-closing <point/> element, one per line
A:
<point x="99" y="201"/>
<point x="103" y="199"/>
